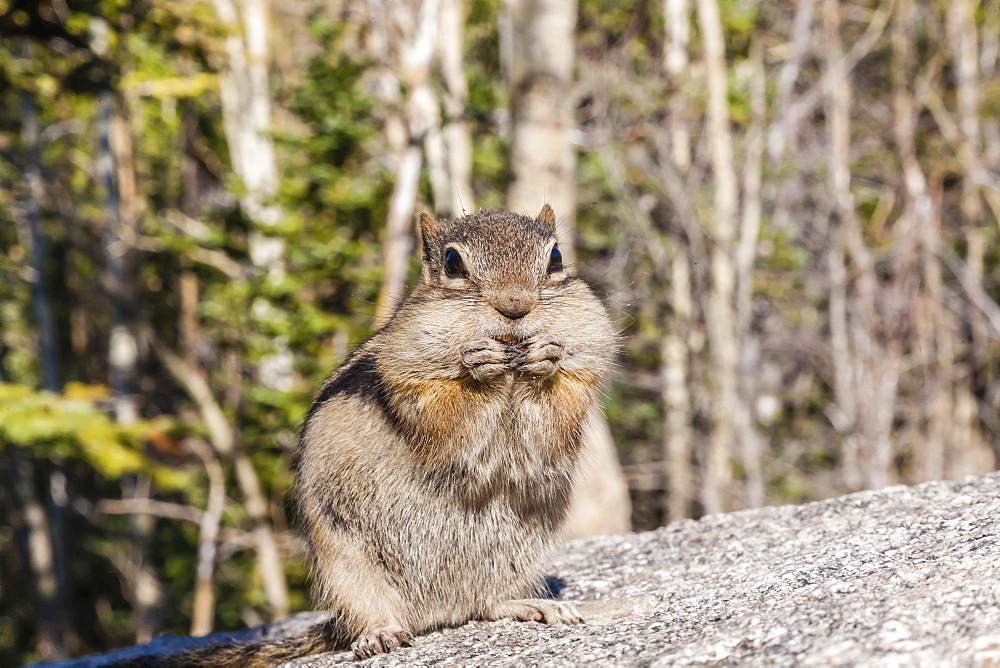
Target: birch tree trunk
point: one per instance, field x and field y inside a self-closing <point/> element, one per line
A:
<point x="872" y="355"/>
<point x="542" y="159"/>
<point x="963" y="38"/>
<point x="752" y="450"/>
<point x="246" y="111"/>
<point x="42" y="546"/>
<point x="923" y="216"/>
<point x="457" y="137"/>
<point x="121" y="229"/>
<point x="719" y="316"/>
<point x="676" y="14"/>
<point x="782" y="131"/>
<point x="203" y="607"/>
<point x="422" y="118"/>
<point x="675" y="372"/>
<point x="41" y="307"/>
<point x="52" y="641"/>
<point x="678" y="438"/>
<point x="849" y="370"/>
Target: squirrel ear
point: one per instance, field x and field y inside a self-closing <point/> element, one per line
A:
<point x="428" y="232"/>
<point x="547" y="216"/>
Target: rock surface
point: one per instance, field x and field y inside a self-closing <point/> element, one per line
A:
<point x="901" y="576"/>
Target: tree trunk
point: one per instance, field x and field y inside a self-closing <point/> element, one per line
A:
<point x="922" y="216"/>
<point x="752" y="451"/>
<point x="963" y="37"/>
<point x="676" y="14"/>
<point x="457" y="137"/>
<point x="121" y="228"/>
<point x="40" y="305"/>
<point x="43" y="526"/>
<point x="719" y="317"/>
<point x="147" y="590"/>
<point x="52" y="613"/>
<point x="873" y="367"/>
<point x="188" y="327"/>
<point x="246" y="111"/>
<point x="678" y="438"/>
<point x="542" y="159"/>
<point x="675" y="372"/>
<point x="423" y="119"/>
<point x="203" y="608"/>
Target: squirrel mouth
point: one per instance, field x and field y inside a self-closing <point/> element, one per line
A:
<point x="510" y="341"/>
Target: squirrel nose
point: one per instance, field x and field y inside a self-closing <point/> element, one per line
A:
<point x="514" y="306"/>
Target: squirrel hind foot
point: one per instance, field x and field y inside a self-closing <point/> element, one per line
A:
<point x="535" y="610"/>
<point x="381" y="641"/>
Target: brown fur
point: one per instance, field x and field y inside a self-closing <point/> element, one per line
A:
<point x="436" y="463"/>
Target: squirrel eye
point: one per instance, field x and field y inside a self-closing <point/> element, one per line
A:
<point x="453" y="265"/>
<point x="555" y="260"/>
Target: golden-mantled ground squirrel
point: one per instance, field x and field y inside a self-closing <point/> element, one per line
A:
<point x="437" y="461"/>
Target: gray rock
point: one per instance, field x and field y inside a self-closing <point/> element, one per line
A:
<point x="901" y="576"/>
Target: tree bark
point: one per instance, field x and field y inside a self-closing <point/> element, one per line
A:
<point x="422" y="116"/>
<point x="922" y="216"/>
<point x="782" y="131"/>
<point x="676" y="14"/>
<point x="599" y="502"/>
<point x="45" y="553"/>
<point x="678" y="437"/>
<point x="675" y="371"/>
<point x="719" y="317"/>
<point x="873" y="359"/>
<point x="454" y="97"/>
<point x="52" y="640"/>
<point x="752" y="450"/>
<point x="963" y="38"/>
<point x="121" y="230"/>
<point x="542" y="159"/>
<point x="40" y="304"/>
<point x="188" y="327"/>
<point x="246" y="111"/>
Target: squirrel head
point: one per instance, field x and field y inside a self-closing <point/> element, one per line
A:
<point x="505" y="258"/>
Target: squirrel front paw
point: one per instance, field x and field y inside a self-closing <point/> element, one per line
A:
<point x="487" y="358"/>
<point x="541" y="356"/>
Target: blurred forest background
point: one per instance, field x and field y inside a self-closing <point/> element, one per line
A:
<point x="791" y="209"/>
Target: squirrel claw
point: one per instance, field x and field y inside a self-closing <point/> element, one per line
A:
<point x="381" y="641"/>
<point x="486" y="359"/>
<point x="541" y="356"/>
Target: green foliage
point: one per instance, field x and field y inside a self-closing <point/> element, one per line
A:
<point x="74" y="426"/>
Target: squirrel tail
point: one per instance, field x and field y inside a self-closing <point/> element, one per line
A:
<point x="323" y="637"/>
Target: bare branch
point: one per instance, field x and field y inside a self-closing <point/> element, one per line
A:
<point x="145" y="506"/>
<point x="973" y="288"/>
<point x="224" y="441"/>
